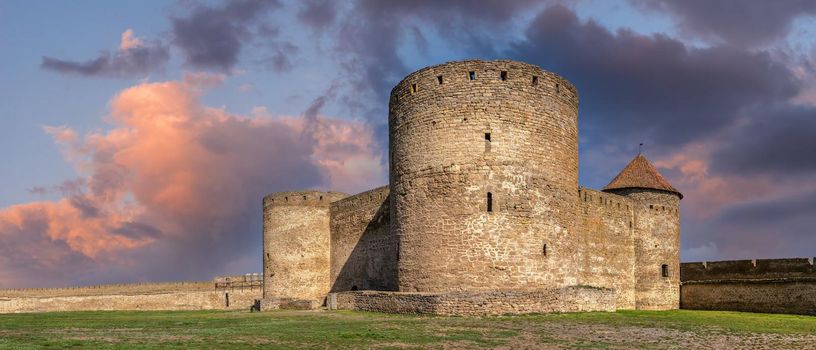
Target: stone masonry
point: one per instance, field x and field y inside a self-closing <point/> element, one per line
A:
<point x="483" y="213"/>
<point x="762" y="285"/>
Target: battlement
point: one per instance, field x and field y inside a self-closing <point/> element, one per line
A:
<point x="303" y="198"/>
<point x="462" y="76"/>
<point x="605" y="199"/>
<point x="756" y="269"/>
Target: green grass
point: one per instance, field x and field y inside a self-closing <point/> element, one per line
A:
<point x="346" y="329"/>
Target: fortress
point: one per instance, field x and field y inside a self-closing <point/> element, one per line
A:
<point x="483" y="213"/>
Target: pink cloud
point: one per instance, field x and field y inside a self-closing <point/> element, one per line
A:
<point x="173" y="188"/>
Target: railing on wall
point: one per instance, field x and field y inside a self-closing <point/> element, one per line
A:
<point x="248" y="281"/>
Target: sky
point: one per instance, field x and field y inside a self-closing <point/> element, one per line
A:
<point x="137" y="139"/>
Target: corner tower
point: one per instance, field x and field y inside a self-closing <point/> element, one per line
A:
<point x="484" y="171"/>
<point x="656" y="233"/>
<point x="296" y="245"/>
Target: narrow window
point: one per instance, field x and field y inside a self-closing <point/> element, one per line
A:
<point x="487" y="136"/>
<point x="472" y="75"/>
<point x="413" y="88"/>
<point x="489" y="202"/>
<point x="664" y="270"/>
<point x="503" y="75"/>
<point x="304" y="198"/>
<point x="226" y="297"/>
<point x="557" y="88"/>
<point x="535" y="80"/>
<point x="439" y="78"/>
<point x="321" y="198"/>
<point x="544" y="250"/>
<point x="285" y="199"/>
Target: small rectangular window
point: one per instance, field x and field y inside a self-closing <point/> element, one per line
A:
<point x="472" y="75"/>
<point x="439" y="77"/>
<point x="544" y="250"/>
<point x="503" y="75"/>
<point x="535" y="80"/>
<point x="413" y="88"/>
<point x="489" y="202"/>
<point x="557" y="88"/>
<point x="487" y="136"/>
<point x="664" y="270"/>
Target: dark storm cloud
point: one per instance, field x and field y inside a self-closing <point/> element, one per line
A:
<point x="739" y="22"/>
<point x="652" y="88"/>
<point x="780" y="227"/>
<point x="375" y="29"/>
<point x="212" y="37"/>
<point x="778" y="141"/>
<point x="318" y="14"/>
<point x="134" y="61"/>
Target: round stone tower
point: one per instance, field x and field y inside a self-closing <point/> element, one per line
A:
<point x="484" y="176"/>
<point x="296" y="244"/>
<point x="656" y="233"/>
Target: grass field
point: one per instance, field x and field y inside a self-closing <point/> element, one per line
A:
<point x="681" y="329"/>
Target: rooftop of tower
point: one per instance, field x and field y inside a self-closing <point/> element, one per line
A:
<point x="640" y="173"/>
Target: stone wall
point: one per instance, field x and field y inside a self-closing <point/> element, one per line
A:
<point x="109" y="289"/>
<point x="212" y="300"/>
<point x="136" y="296"/>
<point x="297" y="244"/>
<point x="363" y="252"/>
<point x="606" y="248"/>
<point x="566" y="299"/>
<point x="462" y="131"/>
<point x="762" y="285"/>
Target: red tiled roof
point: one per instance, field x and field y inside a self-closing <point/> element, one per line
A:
<point x="640" y="173"/>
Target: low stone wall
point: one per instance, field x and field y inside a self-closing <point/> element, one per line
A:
<point x="568" y="299"/>
<point x="186" y="300"/>
<point x="788" y="296"/>
<point x="273" y="303"/>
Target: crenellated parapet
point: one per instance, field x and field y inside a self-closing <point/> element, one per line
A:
<point x="302" y="198"/>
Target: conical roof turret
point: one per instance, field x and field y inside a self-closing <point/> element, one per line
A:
<point x="640" y="173"/>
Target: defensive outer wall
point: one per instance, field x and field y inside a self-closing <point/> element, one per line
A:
<point x="772" y="285"/>
<point x="227" y="293"/>
<point x="483" y="213"/>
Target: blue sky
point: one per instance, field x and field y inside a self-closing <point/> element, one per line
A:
<point x="721" y="92"/>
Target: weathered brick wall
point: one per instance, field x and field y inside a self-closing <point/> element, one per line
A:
<point x="296" y="244"/>
<point x="657" y="243"/>
<point x="762" y="285"/>
<point x="606" y="249"/>
<point x="184" y="300"/>
<point x="566" y="299"/>
<point x="442" y="168"/>
<point x="363" y="252"/>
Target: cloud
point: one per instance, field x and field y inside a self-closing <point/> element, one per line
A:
<point x="173" y="189"/>
<point x="733" y="22"/>
<point x="775" y="141"/>
<point x="318" y="14"/>
<point x="212" y="37"/>
<point x="652" y="88"/>
<point x="135" y="57"/>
